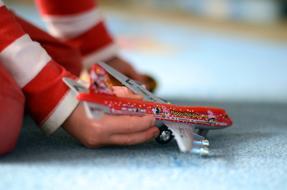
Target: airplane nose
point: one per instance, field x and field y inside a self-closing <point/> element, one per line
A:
<point x="228" y="120"/>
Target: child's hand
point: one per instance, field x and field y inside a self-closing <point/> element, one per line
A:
<point x="110" y="129"/>
<point x="127" y="69"/>
<point x="122" y="91"/>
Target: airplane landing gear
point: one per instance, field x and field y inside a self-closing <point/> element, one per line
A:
<point x="202" y="132"/>
<point x="165" y="135"/>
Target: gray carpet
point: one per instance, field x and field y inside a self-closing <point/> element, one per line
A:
<point x="250" y="155"/>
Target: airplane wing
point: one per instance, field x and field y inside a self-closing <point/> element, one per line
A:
<point x="93" y="110"/>
<point x="76" y="86"/>
<point x="131" y="84"/>
<point x="187" y="140"/>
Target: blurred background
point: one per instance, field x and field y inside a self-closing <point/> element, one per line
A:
<point x="219" y="50"/>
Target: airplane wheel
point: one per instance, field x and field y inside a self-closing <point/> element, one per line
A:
<point x="203" y="132"/>
<point x="165" y="135"/>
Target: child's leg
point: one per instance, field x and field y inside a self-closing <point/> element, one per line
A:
<point x="11" y="111"/>
<point x="64" y="54"/>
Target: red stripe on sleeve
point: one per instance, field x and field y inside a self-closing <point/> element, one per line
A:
<point x="64" y="7"/>
<point x="45" y="91"/>
<point x="9" y="29"/>
<point x="95" y="39"/>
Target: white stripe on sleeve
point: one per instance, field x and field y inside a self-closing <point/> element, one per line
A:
<point x="24" y="59"/>
<point x="100" y="55"/>
<point x="60" y="113"/>
<point x="71" y="26"/>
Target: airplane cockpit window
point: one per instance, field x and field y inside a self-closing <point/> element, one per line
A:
<point x="156" y="110"/>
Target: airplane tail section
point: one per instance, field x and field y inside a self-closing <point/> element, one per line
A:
<point x="100" y="81"/>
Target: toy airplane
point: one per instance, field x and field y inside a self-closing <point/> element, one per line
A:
<point x="173" y="120"/>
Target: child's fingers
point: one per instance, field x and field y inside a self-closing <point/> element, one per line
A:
<point x="135" y="138"/>
<point x="126" y="124"/>
<point x="135" y="75"/>
<point x="124" y="92"/>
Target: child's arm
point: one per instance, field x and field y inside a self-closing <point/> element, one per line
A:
<point x="80" y="24"/>
<point x="48" y="98"/>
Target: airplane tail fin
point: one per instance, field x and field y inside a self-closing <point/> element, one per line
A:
<point x="100" y="81"/>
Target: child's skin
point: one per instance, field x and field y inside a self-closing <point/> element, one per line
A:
<point x="125" y="68"/>
<point x="111" y="130"/>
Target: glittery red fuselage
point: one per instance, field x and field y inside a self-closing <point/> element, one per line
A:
<point x="196" y="115"/>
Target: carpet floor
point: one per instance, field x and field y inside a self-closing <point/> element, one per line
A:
<point x="250" y="155"/>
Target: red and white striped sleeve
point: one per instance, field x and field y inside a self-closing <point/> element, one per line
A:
<point x="80" y="24"/>
<point x="48" y="99"/>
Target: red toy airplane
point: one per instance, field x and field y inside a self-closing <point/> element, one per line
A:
<point x="173" y="120"/>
